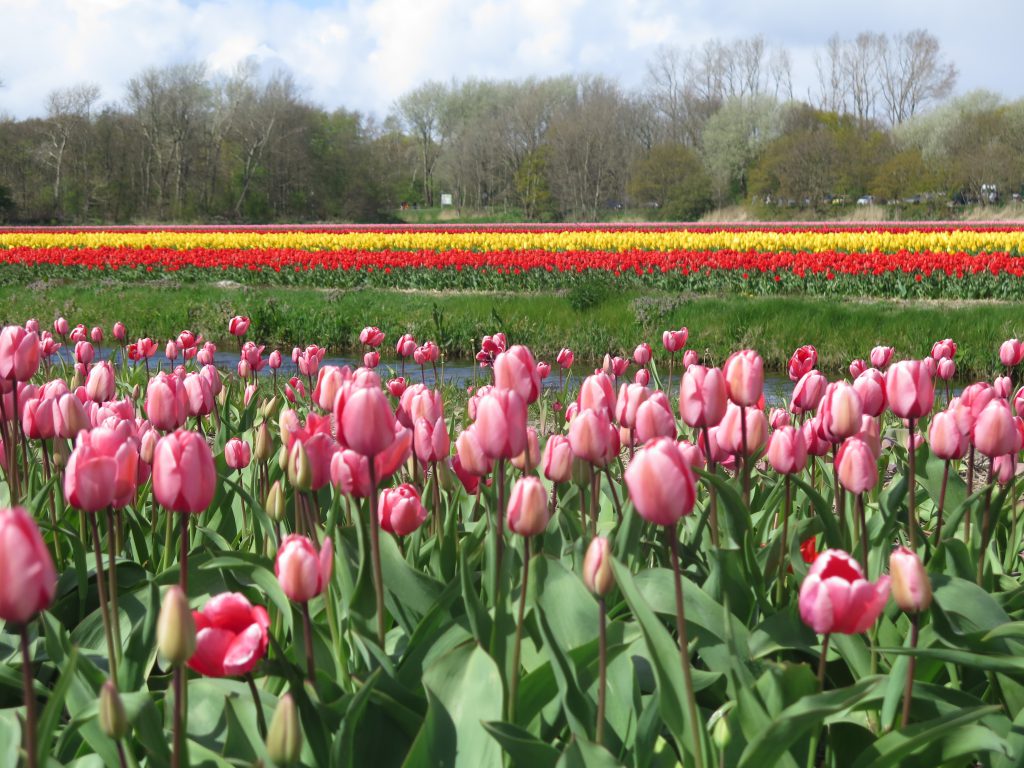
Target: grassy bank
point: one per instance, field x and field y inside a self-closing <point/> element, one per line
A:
<point x="546" y="322"/>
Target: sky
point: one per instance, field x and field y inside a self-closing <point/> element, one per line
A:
<point x="364" y="54"/>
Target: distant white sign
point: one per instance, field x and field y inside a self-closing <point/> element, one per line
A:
<point x="446" y="200"/>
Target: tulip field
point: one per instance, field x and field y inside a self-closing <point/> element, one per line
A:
<point x="628" y="559"/>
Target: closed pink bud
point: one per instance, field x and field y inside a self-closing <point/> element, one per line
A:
<point x="911" y="587"/>
<point x="471" y="454"/>
<point x="329" y="381"/>
<point x="199" y="395"/>
<point x="237" y="453"/>
<point x="184" y="475"/>
<point x="1002" y="386"/>
<point x="528" y="460"/>
<point x="71" y="417"/>
<point x="945" y="348"/>
<point x="598" y="393"/>
<point x="880" y="356"/>
<point x="274" y="359"/>
<point x="778" y="418"/>
<point x="366" y="423"/>
<point x="565" y="358"/>
<point x="654" y="418"/>
<point x="870" y="385"/>
<point x="516" y="369"/>
<point x="60" y="326"/>
<point x="816" y="444"/>
<point x="808" y="392"/>
<point x="930" y="365"/>
<point x="28" y="579"/>
<point x="32" y="325"/>
<point x="857" y="367"/>
<point x="170" y="351"/>
<point x="945" y="369"/>
<point x="371" y="359"/>
<point x="406" y="345"/>
<point x="19" y="353"/>
<point x="946" y="439"/>
<point x="102" y="471"/>
<point x="501" y="424"/>
<point x="119" y="331"/>
<point x="713" y="449"/>
<point x="557" y="459"/>
<point x="673" y="341"/>
<point x="787" y="450"/>
<point x="397" y="386"/>
<point x="836" y="597"/>
<point x="543" y="369"/>
<point x="994" y="432"/>
<point x="642" y="377"/>
<point x="730" y="430"/>
<point x="400" y="510"/>
<point x="166" y="402"/>
<point x="588" y="436"/>
<point x="692" y="454"/>
<point x="302" y="572"/>
<point x="1010" y="352"/>
<point x="619" y="366"/>
<point x="1004" y="468"/>
<point x="839" y="411"/>
<point x="744" y="377"/>
<point x="629" y="400"/>
<point x="597" y="569"/>
<point x="660" y="483"/>
<point x="99" y="384"/>
<point x="430" y="440"/>
<point x="642" y="354"/>
<point x="702" y="396"/>
<point x="690" y="357"/>
<point x="528" y="507"/>
<point x="37" y="418"/>
<point x="857" y="466"/>
<point x="909" y="389"/>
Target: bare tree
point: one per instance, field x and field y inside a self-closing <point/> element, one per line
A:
<point x="67" y="111"/>
<point x="913" y="74"/>
<point x="422" y="111"/>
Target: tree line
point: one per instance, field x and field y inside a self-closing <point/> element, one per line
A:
<point x="713" y="125"/>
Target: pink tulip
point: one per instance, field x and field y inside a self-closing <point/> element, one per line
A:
<point x="836" y="597"/>
<point x="702" y="396"/>
<point x="527" y="512"/>
<point x="642" y="377"/>
<point x="909" y="389"/>
<point x="857" y="367"/>
<point x="397" y="386"/>
<point x="808" y="392"/>
<point x="565" y="358"/>
<point x="61" y="326"/>
<point x="1004" y="468"/>
<point x="198" y="394"/>
<point x="654" y="418"/>
<point x="946" y="369"/>
<point x="302" y="572"/>
<point x="911" y="587"/>
<point x="1003" y="386"/>
<point x="430" y="440"/>
<point x="944" y="349"/>
<point x="945" y="438"/>
<point x="19" y="353"/>
<point x="501" y="424"/>
<point x="588" y="436"/>
<point x="28" y="580"/>
<point x="515" y="369"/>
<point x="673" y="341"/>
<point x="99" y="384"/>
<point x="400" y="510"/>
<point x="1011" y="352"/>
<point x="371" y="359"/>
<point x="471" y="454"/>
<point x="119" y="331"/>
<point x="231" y="636"/>
<point x="787" y="450"/>
<point x="744" y="377"/>
<point x="166" y="402"/>
<point x="102" y="471"/>
<point x="37" y="418"/>
<point x="529" y="459"/>
<point x="839" y="411"/>
<point x="690" y="357"/>
<point x="803" y="361"/>
<point x="543" y="369"/>
<point x="371" y="336"/>
<point x="630" y="398"/>
<point x="730" y="434"/>
<point x="930" y="365"/>
<point x="870" y="385"/>
<point x="184" y="475"/>
<point x="880" y="356"/>
<point x="170" y="351"/>
<point x="598" y="393"/>
<point x="274" y="360"/>
<point x="237" y="453"/>
<point x="642" y="354"/>
<point x="556" y="461"/>
<point x="619" y="366"/>
<point x="856" y="465"/>
<point x="78" y="333"/>
<point x="660" y="483"/>
<point x="597" y="571"/>
<point x="994" y="433"/>
<point x="366" y="423"/>
<point x="692" y="454"/>
<point x="816" y="444"/>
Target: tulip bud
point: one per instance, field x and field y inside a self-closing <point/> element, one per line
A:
<point x="284" y="738"/>
<point x="175" y="629"/>
<point x="597" y="568"/>
<point x="528" y="507"/>
<point x="275" y="504"/>
<point x="911" y="587"/>
<point x="263" y="448"/>
<point x="113" y="718"/>
<point x="300" y="474"/>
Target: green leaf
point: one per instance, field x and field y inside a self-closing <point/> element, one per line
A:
<point x="467" y="683"/>
<point x="583" y="753"/>
<point x="578" y="709"/>
<point x="435" y="744"/>
<point x="893" y="748"/>
<point x="54" y="709"/>
<point x="522" y="746"/>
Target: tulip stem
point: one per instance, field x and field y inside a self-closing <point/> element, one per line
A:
<point x="183" y="558"/>
<point x="821" y="663"/>
<point x="615" y="496"/>
<point x="602" y="673"/>
<point x="985" y="521"/>
<point x="970" y="492"/>
<point x="942" y="502"/>
<point x="911" y="483"/>
<point x="862" y="520"/>
<point x="179" y="716"/>
<point x="435" y="496"/>
<point x="115" y="615"/>
<point x="30" y="700"/>
<point x="513" y="687"/>
<point x="908" y="688"/>
<point x="378" y="579"/>
<point x="261" y="721"/>
<point x="595" y="499"/>
<point x="307" y="632"/>
<point x="712" y="491"/>
<point x="745" y="469"/>
<point x="101" y="590"/>
<point x="840" y="494"/>
<point x="684" y="649"/>
<point x="53" y="503"/>
<point x="499" y="541"/>
<point x="784" y="546"/>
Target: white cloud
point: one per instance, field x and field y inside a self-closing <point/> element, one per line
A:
<point x="363" y="54"/>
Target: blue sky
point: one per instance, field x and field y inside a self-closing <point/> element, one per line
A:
<point x="364" y="54"/>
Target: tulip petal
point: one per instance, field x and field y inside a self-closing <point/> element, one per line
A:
<point x="246" y="650"/>
<point x="229" y="610"/>
<point x="211" y="646"/>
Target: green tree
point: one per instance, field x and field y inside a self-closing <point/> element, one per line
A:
<point x="671" y="180"/>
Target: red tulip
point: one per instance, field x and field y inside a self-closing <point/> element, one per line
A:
<point x="28" y="580"/>
<point x="231" y="636"/>
<point x="302" y="572"/>
<point x="400" y="510"/>
<point x="184" y="475"/>
<point x="660" y="483"/>
<point x="836" y="597"/>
